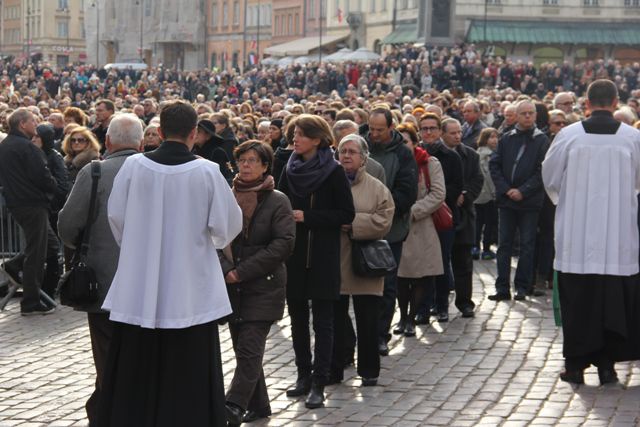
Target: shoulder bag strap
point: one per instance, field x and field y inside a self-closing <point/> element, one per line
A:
<point x="95" y="177"/>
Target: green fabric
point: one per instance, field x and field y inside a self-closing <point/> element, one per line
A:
<point x="402" y="34"/>
<point x="554" y="32"/>
<point x="556" y="300"/>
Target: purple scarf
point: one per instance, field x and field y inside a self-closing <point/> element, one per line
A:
<point x="306" y="177"/>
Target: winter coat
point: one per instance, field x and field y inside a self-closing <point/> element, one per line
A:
<point x="24" y="175"/>
<point x="374" y="214"/>
<point x="229" y="143"/>
<point x="421" y="254"/>
<point x="213" y="150"/>
<point x="488" y="192"/>
<point x="259" y="260"/>
<point x="401" y="175"/>
<point x="80" y="160"/>
<point x="103" y="250"/>
<point x="56" y="165"/>
<point x="524" y="174"/>
<point x="313" y="271"/>
<point x="473" y="179"/>
<point x="452" y="169"/>
<point x="470" y="133"/>
<point x="280" y="160"/>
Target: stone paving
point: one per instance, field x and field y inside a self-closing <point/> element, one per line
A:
<point x="499" y="368"/>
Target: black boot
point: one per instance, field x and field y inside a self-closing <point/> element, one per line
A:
<point x="302" y="386"/>
<point x="316" y="397"/>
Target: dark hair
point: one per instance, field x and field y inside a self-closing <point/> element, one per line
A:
<point x="602" y="93"/>
<point x="411" y="130"/>
<point x="264" y="152"/>
<point x="108" y="104"/>
<point x="289" y="129"/>
<point x="77" y="115"/>
<point x="346" y="114"/>
<point x="431" y="116"/>
<point x="331" y="112"/>
<point x="178" y="119"/>
<point x="542" y="115"/>
<point x="315" y="127"/>
<point x="484" y="136"/>
<point x="388" y="115"/>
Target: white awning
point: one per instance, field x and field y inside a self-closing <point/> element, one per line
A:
<point x="302" y="46"/>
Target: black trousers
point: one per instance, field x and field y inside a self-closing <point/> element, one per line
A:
<point x="367" y="313"/>
<point x="100" y="330"/>
<point x="248" y="389"/>
<point x="388" y="300"/>
<point x="486" y="225"/>
<point x="41" y="244"/>
<point x="600" y="318"/>
<point x="322" y="328"/>
<point x="462" y="264"/>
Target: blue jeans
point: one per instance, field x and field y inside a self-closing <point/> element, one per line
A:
<point x="526" y="222"/>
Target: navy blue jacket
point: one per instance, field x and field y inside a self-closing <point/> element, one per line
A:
<point x="507" y="171"/>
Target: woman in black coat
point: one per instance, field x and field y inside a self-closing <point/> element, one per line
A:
<point x="321" y="199"/>
<point x="255" y="274"/>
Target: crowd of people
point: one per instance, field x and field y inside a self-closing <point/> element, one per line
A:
<point x="253" y="190"/>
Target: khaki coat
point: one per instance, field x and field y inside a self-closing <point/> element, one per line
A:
<point x="374" y="215"/>
<point x="421" y="254"/>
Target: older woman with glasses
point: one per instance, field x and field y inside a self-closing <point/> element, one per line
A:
<point x="80" y="147"/>
<point x="374" y="214"/>
<point x="256" y="276"/>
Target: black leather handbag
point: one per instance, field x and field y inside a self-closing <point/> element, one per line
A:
<point x="78" y="286"/>
<point x="372" y="258"/>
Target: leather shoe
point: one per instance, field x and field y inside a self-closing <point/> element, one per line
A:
<point x="536" y="293"/>
<point x="468" y="312"/>
<point x="315" y="399"/>
<point x="410" y="330"/>
<point x="383" y="348"/>
<point x="234" y="413"/>
<point x="443" y="317"/>
<point x="399" y="329"/>
<point x="251" y="416"/>
<point x="499" y="297"/>
<point x="422" y="319"/>
<point x="571" y="376"/>
<point x="607" y="375"/>
<point x="302" y="387"/>
<point x="369" y="382"/>
<point x="520" y="296"/>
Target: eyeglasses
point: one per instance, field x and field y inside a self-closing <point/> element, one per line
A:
<point x="250" y="161"/>
<point x="77" y="140"/>
<point x="429" y="129"/>
<point x="565" y="103"/>
<point x="527" y="113"/>
<point x="348" y="152"/>
<point x="559" y="123"/>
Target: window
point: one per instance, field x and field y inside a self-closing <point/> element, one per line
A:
<point x="276" y="25"/>
<point x="372" y="6"/>
<point x="550" y="2"/>
<point x="63" y="29"/>
<point x="296" y="24"/>
<point x="63" y="4"/>
<point x="236" y="13"/>
<point x="289" y="24"/>
<point x="225" y="14"/>
<point x="412" y="4"/>
<point x="312" y="9"/>
<point x="402" y="4"/>
<point x="494" y="1"/>
<point x="383" y="6"/>
<point x="147" y="8"/>
<point x="591" y="3"/>
<point x="323" y="8"/>
<point x="632" y="3"/>
<point x="214" y="15"/>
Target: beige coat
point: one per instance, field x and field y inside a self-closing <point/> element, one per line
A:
<point x="421" y="254"/>
<point x="374" y="214"/>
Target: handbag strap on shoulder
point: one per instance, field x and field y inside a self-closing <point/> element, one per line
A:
<point x="95" y="177"/>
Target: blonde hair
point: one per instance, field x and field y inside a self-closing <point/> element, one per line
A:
<point x="87" y="134"/>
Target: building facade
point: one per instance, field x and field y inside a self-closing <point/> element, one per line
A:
<point x="48" y="30"/>
<point x="167" y="32"/>
<point x="238" y="31"/>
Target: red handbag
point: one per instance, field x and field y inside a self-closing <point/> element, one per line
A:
<point x="442" y="217"/>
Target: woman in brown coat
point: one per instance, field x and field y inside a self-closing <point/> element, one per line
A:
<point x="256" y="276"/>
<point x="421" y="259"/>
<point x="374" y="214"/>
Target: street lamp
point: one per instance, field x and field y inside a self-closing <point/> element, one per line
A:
<point x="68" y="12"/>
<point x="95" y="4"/>
<point x="141" y="4"/>
<point x="28" y="35"/>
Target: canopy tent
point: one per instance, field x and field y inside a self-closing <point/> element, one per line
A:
<point x="303" y="46"/>
<point x="339" y="56"/>
<point x="363" y="55"/>
<point x="406" y="33"/>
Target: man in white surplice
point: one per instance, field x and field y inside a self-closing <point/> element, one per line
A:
<point x="592" y="173"/>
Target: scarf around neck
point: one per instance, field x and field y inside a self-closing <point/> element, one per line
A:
<point x="247" y="194"/>
<point x="306" y="177"/>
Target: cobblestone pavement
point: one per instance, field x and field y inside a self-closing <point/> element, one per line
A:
<point x="499" y="368"/>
